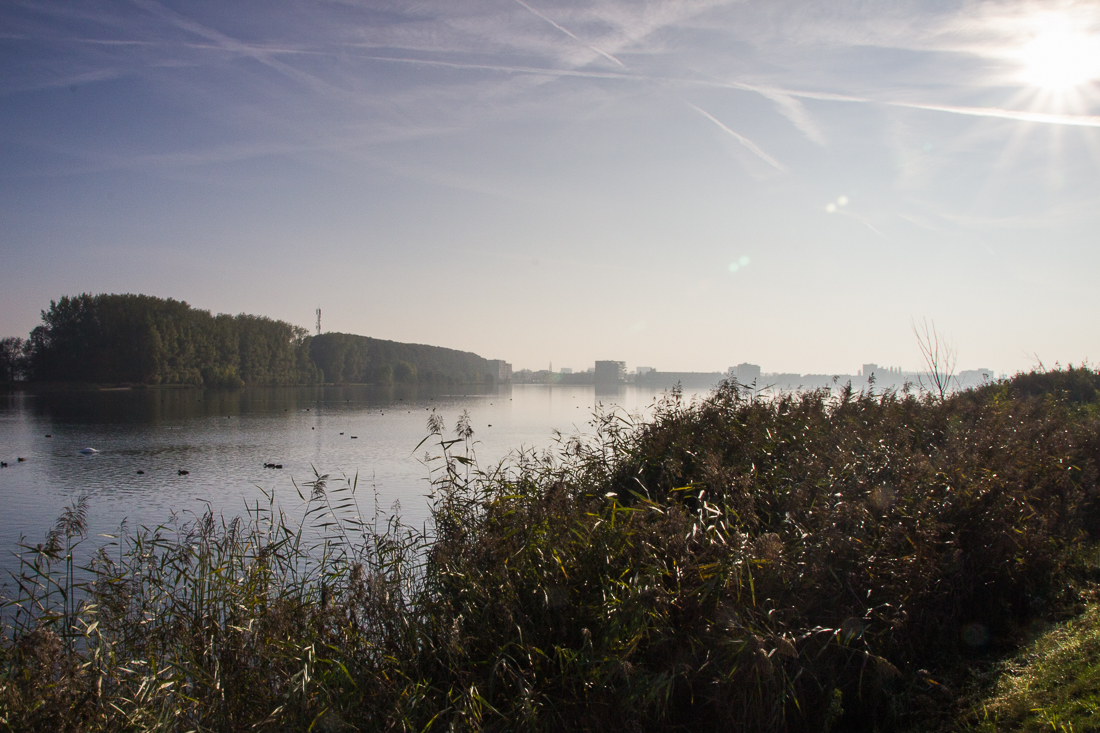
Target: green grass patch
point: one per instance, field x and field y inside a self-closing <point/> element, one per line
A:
<point x="1053" y="684"/>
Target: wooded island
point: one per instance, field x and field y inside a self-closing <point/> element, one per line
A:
<point x="145" y="340"/>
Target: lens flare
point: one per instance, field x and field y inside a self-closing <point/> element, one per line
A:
<point x="1060" y="58"/>
<point x="740" y="263"/>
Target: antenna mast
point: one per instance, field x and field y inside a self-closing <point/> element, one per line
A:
<point x="318" y="321"/>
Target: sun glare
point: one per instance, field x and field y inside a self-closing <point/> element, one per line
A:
<point x="1060" y="58"/>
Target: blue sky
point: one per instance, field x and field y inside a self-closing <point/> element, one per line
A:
<point x="685" y="185"/>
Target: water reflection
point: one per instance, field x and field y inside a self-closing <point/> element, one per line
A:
<point x="612" y="392"/>
<point x="162" y="450"/>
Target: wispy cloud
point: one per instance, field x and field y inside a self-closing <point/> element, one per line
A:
<point x="569" y="33"/>
<point x="791" y="108"/>
<point x="1044" y="118"/>
<point x="228" y="44"/>
<point x="780" y="95"/>
<point x="340" y="93"/>
<point x="861" y="219"/>
<point x="748" y="144"/>
<point x="503" y="68"/>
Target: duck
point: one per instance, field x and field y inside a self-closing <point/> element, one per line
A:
<point x="181" y="472"/>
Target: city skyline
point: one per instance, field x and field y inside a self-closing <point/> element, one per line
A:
<point x="755" y="371"/>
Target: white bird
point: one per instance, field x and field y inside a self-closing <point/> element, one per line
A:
<point x="88" y="451"/>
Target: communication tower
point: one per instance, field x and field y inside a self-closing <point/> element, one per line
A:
<point x="318" y="321"/>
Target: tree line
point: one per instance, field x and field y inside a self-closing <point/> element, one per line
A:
<point x="346" y="358"/>
<point x="141" y="339"/>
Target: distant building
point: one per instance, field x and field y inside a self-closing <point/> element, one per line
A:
<point x="502" y="369"/>
<point x="783" y="380"/>
<point x="610" y="372"/>
<point x="746" y="374"/>
<point x="881" y="373"/>
<point x="645" y="370"/>
<point x="975" y="377"/>
<point x="566" y="370"/>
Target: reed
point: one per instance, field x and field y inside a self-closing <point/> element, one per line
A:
<point x="818" y="561"/>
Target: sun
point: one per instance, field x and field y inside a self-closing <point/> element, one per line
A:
<point x="1060" y="58"/>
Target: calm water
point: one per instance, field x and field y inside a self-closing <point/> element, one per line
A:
<point x="222" y="439"/>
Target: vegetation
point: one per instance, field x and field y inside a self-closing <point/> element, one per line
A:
<point x="139" y="339"/>
<point x="347" y="358"/>
<point x="1051" y="685"/>
<point x="13" y="358"/>
<point x="814" y="562"/>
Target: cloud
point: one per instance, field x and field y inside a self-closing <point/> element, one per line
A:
<point x="570" y="34"/>
<point x="1006" y="114"/>
<point x="789" y="106"/>
<point x="776" y="94"/>
<point x="262" y="53"/>
<point x="749" y="144"/>
<point x="365" y="76"/>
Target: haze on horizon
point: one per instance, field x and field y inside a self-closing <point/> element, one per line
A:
<point x="686" y="185"/>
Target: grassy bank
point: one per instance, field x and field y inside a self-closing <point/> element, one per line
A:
<point x="1052" y="684"/>
<point x="815" y="562"/>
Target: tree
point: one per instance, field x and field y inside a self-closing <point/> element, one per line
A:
<point x="143" y="339"/>
<point x="404" y="372"/>
<point x="940" y="357"/>
<point x="12" y="358"/>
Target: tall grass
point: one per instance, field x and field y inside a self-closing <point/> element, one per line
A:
<point x="814" y="562"/>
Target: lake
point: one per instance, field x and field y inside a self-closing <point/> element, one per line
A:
<point x="222" y="439"/>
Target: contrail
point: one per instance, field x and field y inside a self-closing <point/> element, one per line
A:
<point x="994" y="112"/>
<point x="741" y="139"/>
<point x="794" y="111"/>
<point x="534" y="70"/>
<point x="1007" y="114"/>
<point x="568" y="33"/>
<point x="227" y="43"/>
<point x="860" y="219"/>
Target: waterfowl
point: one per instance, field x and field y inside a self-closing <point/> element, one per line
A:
<point x="88" y="451"/>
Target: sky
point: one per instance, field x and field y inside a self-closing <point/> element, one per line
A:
<point x="686" y="185"/>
